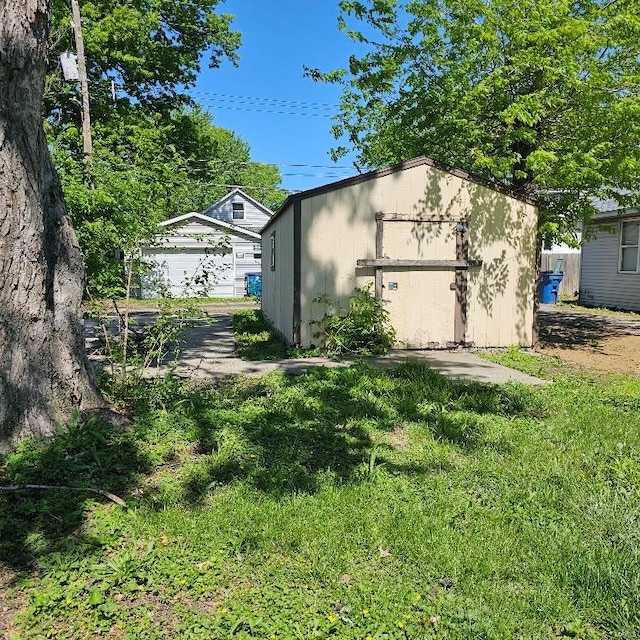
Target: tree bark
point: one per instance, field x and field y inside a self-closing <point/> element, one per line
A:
<point x="44" y="373"/>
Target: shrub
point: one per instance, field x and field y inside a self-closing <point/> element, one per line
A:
<point x="362" y="327"/>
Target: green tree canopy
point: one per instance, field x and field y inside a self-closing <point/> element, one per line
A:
<point x="148" y="168"/>
<point x="151" y="49"/>
<point x="156" y="153"/>
<point x="541" y="95"/>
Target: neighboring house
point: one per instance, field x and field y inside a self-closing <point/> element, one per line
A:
<point x="240" y="209"/>
<point x="208" y="253"/>
<point x="452" y="256"/>
<point x="610" y="272"/>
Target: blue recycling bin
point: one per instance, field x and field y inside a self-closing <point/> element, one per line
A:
<point x="550" y="286"/>
<point x="254" y="284"/>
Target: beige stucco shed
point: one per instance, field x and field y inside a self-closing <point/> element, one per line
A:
<point x="452" y="257"/>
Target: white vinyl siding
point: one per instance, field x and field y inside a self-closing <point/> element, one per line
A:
<point x="197" y="258"/>
<point x="602" y="283"/>
<point x="188" y="273"/>
<point x="629" y="245"/>
<point x="252" y="216"/>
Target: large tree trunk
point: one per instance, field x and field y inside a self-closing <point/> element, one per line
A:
<point x="44" y="372"/>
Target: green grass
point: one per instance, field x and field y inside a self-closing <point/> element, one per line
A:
<point x="631" y="315"/>
<point x="257" y="340"/>
<point x="343" y="503"/>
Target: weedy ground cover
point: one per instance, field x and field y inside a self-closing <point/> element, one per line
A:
<point x="573" y="306"/>
<point x="257" y="340"/>
<point x="343" y="503"/>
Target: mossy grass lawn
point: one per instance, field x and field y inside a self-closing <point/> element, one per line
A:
<point x="344" y="503"/>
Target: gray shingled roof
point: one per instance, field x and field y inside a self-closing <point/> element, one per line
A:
<point x="608" y="206"/>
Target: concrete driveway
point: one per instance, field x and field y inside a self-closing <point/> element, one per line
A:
<point x="209" y="353"/>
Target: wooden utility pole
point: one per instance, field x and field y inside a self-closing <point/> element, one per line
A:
<point x="87" y="146"/>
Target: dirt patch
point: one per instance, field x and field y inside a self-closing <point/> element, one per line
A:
<point x="620" y="355"/>
<point x="591" y="342"/>
<point x="9" y="603"/>
<point x="398" y="438"/>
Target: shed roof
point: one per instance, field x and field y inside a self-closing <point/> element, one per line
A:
<point x="402" y="166"/>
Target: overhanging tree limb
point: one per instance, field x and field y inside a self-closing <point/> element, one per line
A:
<point x="543" y="95"/>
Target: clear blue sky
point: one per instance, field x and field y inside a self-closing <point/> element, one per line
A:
<point x="267" y="101"/>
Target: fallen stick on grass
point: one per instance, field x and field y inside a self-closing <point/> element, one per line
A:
<point x="106" y="494"/>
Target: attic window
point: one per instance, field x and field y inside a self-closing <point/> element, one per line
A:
<point x="238" y="210"/>
<point x="630" y="247"/>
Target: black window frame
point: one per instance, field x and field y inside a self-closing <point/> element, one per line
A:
<point x="237" y="207"/>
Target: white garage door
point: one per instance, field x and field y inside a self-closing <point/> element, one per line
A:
<point x="187" y="272"/>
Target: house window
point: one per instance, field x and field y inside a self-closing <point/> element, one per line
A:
<point x="273" y="251"/>
<point x="629" y="247"/>
<point x="238" y="210"/>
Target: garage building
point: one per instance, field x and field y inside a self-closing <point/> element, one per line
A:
<point x="453" y="257"/>
<point x="208" y="253"/>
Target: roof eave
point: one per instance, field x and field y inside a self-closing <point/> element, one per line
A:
<point x="385" y="171"/>
<point x="235" y="229"/>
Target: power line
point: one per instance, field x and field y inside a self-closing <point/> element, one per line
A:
<point x="255" y="103"/>
<point x="279" y="164"/>
<point x="246" y="163"/>
<point x="244" y="187"/>
<point x="283" y="113"/>
<point x="264" y="99"/>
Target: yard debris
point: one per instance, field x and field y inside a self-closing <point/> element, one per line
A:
<point x="102" y="492"/>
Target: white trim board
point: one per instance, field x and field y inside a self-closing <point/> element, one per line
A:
<point x="233" y="228"/>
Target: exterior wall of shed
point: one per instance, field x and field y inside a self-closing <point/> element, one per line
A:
<point x="601" y="285"/>
<point x="200" y="236"/>
<point x="277" y="284"/>
<point x="338" y="228"/>
<point x="254" y="218"/>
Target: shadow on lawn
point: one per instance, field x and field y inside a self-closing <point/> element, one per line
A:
<point x="278" y="435"/>
<point x="34" y="523"/>
<point x="566" y="329"/>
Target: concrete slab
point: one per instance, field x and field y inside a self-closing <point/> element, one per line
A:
<point x="209" y="353"/>
<point x="458" y="366"/>
<point x="463" y="365"/>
